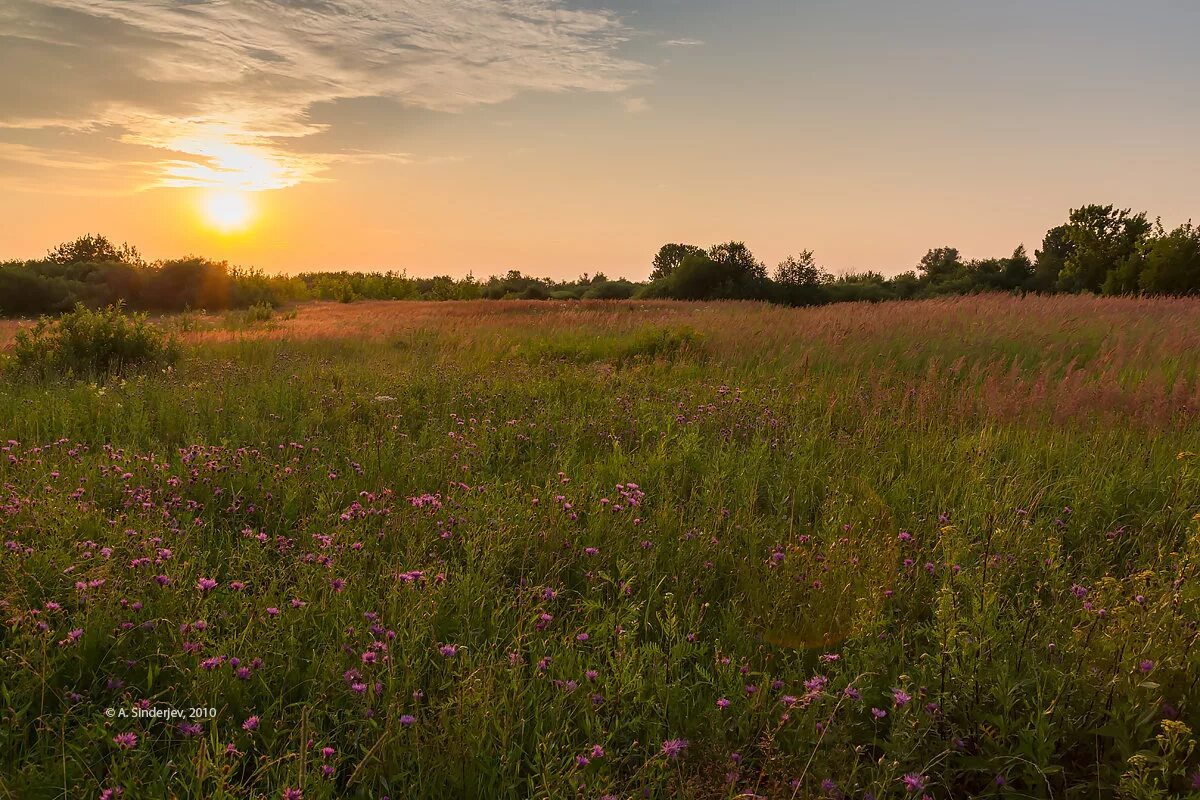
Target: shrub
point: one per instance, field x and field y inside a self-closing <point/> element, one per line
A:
<point x="259" y="314"/>
<point x="699" y="277"/>
<point x="92" y="343"/>
<point x="610" y="290"/>
<point x="534" y="292"/>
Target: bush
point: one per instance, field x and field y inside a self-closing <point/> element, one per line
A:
<point x="610" y="290"/>
<point x="534" y="292"/>
<point x="259" y="315"/>
<point x="699" y="277"/>
<point x="92" y="343"/>
<point x="260" y="312"/>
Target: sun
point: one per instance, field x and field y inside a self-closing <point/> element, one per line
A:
<point x="227" y="210"/>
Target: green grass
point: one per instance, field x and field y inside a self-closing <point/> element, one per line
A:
<point x="821" y="524"/>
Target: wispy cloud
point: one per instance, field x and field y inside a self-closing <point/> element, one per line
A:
<point x="683" y="43"/>
<point x="223" y="90"/>
<point x="635" y="105"/>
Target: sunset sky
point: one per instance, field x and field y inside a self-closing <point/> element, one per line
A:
<point x="447" y="136"/>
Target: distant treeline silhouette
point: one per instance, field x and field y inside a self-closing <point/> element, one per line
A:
<point x="1100" y="249"/>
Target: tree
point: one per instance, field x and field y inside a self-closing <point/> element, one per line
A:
<point x="736" y="256"/>
<point x="941" y="264"/>
<point x="801" y="270"/>
<point x="610" y="290"/>
<point x="1000" y="274"/>
<point x="1057" y="247"/>
<point x="1018" y="269"/>
<point x="868" y="286"/>
<point x="191" y="282"/>
<point x="1103" y="239"/>
<point x="94" y="248"/>
<point x="799" y="279"/>
<point x="906" y="285"/>
<point x="1171" y="263"/>
<point x="669" y="257"/>
<point x="699" y="277"/>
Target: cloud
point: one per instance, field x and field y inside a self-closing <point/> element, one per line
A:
<point x="223" y="90"/>
<point x="634" y="105"/>
<point x="683" y="43"/>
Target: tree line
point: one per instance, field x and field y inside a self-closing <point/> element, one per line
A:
<point x="1099" y="249"/>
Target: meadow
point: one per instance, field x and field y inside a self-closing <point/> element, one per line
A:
<point x="943" y="548"/>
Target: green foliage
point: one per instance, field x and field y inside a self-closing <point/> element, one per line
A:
<point x="610" y="290"/>
<point x="92" y="344"/>
<point x="93" y="272"/>
<point x="1161" y="772"/>
<point x="94" y="248"/>
<point x="382" y="496"/>
<point x="1171" y="263"/>
<point x="736" y="259"/>
<point x="670" y="256"/>
<point x="941" y="265"/>
<point x="799" y="281"/>
<point x="1056" y="248"/>
<point x="700" y="277"/>
<point x="1100" y="249"/>
<point x="257" y="315"/>
<point x="1102" y="240"/>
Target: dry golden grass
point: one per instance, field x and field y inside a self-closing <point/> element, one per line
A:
<point x="1125" y="328"/>
<point x="1054" y="358"/>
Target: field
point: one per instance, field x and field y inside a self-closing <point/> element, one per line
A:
<point x="544" y="550"/>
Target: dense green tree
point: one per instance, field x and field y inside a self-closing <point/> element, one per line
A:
<point x="800" y="270"/>
<point x="516" y="285"/>
<point x="610" y="290"/>
<point x="1018" y="269"/>
<point x="941" y="264"/>
<point x="1100" y="248"/>
<point x="94" y="248"/>
<point x="1171" y="263"/>
<point x="905" y="286"/>
<point x="191" y="282"/>
<point x="670" y="256"/>
<point x="868" y="286"/>
<point x="800" y="280"/>
<point x="736" y="256"/>
<point x="1000" y="274"/>
<point x="696" y="278"/>
<point x="1057" y="247"/>
<point x="700" y="277"/>
<point x="1103" y="238"/>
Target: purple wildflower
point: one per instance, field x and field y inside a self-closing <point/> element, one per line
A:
<point x="673" y="748"/>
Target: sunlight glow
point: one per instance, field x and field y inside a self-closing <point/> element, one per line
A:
<point x="227" y="210"/>
<point x="217" y="163"/>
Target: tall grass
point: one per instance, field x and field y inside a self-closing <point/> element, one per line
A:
<point x="521" y="550"/>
